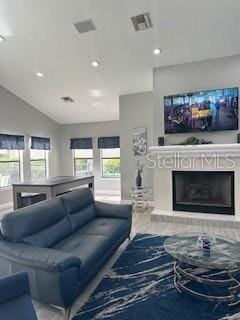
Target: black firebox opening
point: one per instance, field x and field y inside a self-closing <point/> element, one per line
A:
<point x="203" y="191"/>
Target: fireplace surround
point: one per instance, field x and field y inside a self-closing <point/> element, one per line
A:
<point x="203" y="191"/>
<point x="163" y="182"/>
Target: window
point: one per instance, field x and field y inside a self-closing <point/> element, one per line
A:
<point x="110" y="163"/>
<point x="38" y="164"/>
<point x="10" y="167"/>
<point x="83" y="161"/>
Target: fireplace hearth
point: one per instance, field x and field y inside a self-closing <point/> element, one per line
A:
<point x="203" y="191"/>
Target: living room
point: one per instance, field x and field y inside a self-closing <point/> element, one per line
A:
<point x="119" y="160"/>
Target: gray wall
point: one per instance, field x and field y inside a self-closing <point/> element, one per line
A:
<point x="190" y="77"/>
<point x="18" y="117"/>
<point x="136" y="110"/>
<point x="96" y="129"/>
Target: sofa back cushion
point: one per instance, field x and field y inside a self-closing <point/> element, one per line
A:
<point x="79" y="204"/>
<point x="42" y="224"/>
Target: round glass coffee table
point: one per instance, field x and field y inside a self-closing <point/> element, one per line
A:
<point x="202" y="275"/>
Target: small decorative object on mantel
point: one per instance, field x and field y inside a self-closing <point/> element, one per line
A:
<point x="161" y="141"/>
<point x="206" y="241"/>
<point x="194" y="141"/>
<point x="140" y="141"/>
<point x="139" y="174"/>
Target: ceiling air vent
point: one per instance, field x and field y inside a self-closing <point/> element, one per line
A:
<point x="67" y="99"/>
<point x="85" y="26"/>
<point x="142" y="22"/>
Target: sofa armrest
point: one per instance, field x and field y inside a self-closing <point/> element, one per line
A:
<point x="14" y="286"/>
<point x="37" y="257"/>
<point x="108" y="210"/>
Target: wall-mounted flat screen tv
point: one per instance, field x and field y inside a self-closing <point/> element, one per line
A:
<point x="212" y="110"/>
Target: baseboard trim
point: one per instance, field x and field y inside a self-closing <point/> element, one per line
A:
<point x="6" y="205"/>
<point x="107" y="192"/>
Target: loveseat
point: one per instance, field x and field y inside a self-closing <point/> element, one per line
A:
<point x="62" y="243"/>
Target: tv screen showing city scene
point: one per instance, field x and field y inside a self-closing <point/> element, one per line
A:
<point x="212" y="110"/>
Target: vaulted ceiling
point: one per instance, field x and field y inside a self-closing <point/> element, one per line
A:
<point x="40" y="37"/>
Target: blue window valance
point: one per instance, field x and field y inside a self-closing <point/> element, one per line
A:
<point x="108" y="142"/>
<point x="81" y="143"/>
<point x="40" y="143"/>
<point x="11" y="142"/>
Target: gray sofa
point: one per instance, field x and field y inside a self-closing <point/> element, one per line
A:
<point x="62" y="243"/>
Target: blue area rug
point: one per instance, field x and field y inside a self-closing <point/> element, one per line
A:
<point x="140" y="287"/>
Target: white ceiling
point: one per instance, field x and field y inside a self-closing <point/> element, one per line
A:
<point x="41" y="37"/>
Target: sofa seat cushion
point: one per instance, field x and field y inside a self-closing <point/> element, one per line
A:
<point x="87" y="247"/>
<point x="113" y="228"/>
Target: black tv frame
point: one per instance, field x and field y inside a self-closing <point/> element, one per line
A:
<point x="196" y="92"/>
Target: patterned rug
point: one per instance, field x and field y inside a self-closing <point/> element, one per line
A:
<point x="140" y="287"/>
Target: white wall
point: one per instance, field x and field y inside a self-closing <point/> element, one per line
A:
<point x="190" y="77"/>
<point x="18" y="117"/>
<point x="85" y="130"/>
<point x="146" y="109"/>
<point x="136" y="110"/>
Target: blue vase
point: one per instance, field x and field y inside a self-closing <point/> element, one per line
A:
<point x="138" y="181"/>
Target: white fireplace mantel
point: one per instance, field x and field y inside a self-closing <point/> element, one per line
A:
<point x="232" y="149"/>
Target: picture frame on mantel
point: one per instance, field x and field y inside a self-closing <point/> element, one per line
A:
<point x="140" y="141"/>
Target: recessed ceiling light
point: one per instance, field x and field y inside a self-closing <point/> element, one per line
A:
<point x="95" y="64"/>
<point x="2" y="38"/>
<point x="39" y="74"/>
<point x="157" y="51"/>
